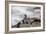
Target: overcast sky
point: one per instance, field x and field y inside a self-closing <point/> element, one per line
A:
<point x="18" y="13"/>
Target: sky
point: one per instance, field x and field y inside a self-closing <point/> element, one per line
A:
<point x="18" y="12"/>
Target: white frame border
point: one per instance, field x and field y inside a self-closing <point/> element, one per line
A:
<point x="29" y="28"/>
